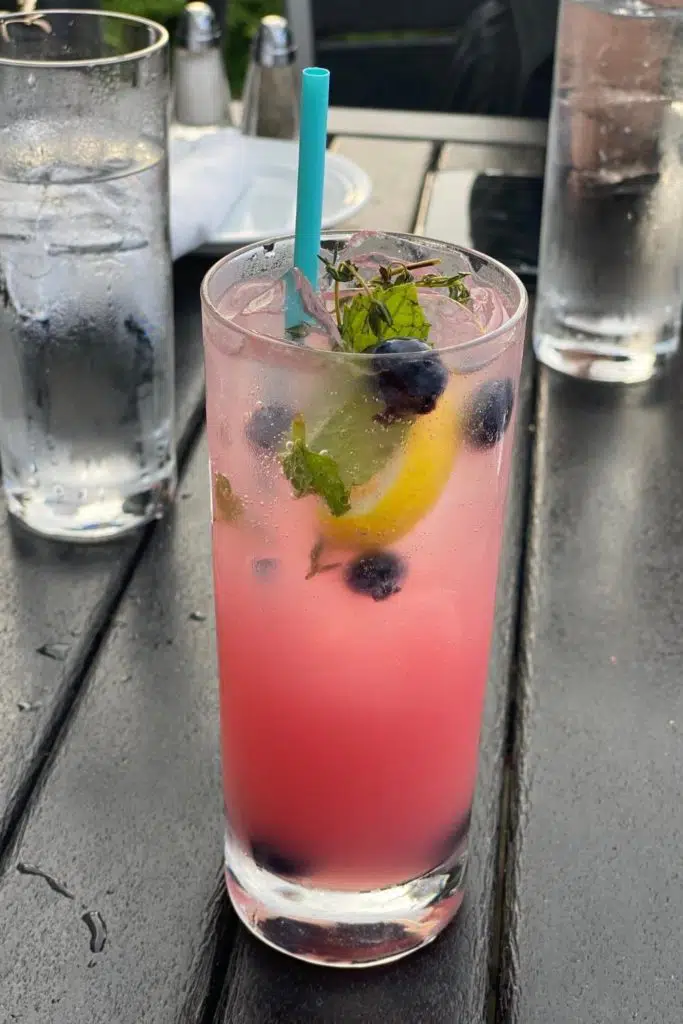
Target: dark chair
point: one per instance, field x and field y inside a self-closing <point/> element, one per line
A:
<point x="447" y="55"/>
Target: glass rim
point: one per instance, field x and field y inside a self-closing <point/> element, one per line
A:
<point x="158" y="43"/>
<point x="466" y="346"/>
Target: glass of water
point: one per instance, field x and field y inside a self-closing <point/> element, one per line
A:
<point x="86" y="318"/>
<point x="610" y="289"/>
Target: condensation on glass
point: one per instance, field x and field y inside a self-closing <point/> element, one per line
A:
<point x="86" y="360"/>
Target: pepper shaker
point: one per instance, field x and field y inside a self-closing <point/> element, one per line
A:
<point x="202" y="92"/>
<point x="271" y="94"/>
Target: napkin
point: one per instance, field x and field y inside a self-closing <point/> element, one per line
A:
<point x="208" y="176"/>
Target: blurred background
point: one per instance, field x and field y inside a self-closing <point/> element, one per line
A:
<point x="242" y="21"/>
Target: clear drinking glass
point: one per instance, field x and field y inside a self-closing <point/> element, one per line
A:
<point x="86" y="362"/>
<point x="610" y="287"/>
<point x="353" y="636"/>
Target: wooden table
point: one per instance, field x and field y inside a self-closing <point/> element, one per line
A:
<point x="109" y="774"/>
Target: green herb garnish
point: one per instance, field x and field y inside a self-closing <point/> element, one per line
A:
<point x="316" y="565"/>
<point x="356" y="441"/>
<point x="298" y="331"/>
<point x="393" y="312"/>
<point x="387" y="305"/>
<point x="227" y="506"/>
<point x="311" y="472"/>
<point x="457" y="289"/>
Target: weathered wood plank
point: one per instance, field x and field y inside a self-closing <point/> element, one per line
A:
<point x="62" y="595"/>
<point x="462" y="128"/>
<point x="397" y="170"/>
<point x="525" y="160"/>
<point x="465" y="130"/>
<point x="129" y="816"/>
<point x="448" y="215"/>
<point x="594" y="898"/>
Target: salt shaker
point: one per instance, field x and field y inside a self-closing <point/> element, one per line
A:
<point x="271" y="93"/>
<point x="202" y="93"/>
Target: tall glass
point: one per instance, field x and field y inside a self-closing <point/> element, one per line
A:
<point x="86" y="360"/>
<point x="357" y="506"/>
<point x="611" y="263"/>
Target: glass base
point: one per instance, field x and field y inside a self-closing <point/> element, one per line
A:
<point x="342" y="928"/>
<point x="612" y="361"/>
<point x="93" y="521"/>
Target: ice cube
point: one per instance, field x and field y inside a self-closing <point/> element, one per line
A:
<point x="315" y="306"/>
<point x="265" y="298"/>
<point x="260" y="295"/>
<point x="489" y="307"/>
<point x="370" y="248"/>
<point x="452" y="324"/>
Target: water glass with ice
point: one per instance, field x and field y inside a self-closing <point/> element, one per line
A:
<point x="609" y="292"/>
<point x="86" y="360"/>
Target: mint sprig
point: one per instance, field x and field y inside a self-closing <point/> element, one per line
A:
<point x="311" y="472"/>
<point x="227" y="506"/>
<point x="387" y="305"/>
<point x="375" y="316"/>
<point x="457" y="289"/>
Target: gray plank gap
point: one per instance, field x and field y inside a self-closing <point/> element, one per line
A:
<point x="449" y="981"/>
<point x="63" y="596"/>
<point x="594" y="900"/>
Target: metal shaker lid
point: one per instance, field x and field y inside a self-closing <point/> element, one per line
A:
<point x="273" y="45"/>
<point x="198" y="27"/>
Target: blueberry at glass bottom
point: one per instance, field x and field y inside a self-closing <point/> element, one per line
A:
<point x="269" y="858"/>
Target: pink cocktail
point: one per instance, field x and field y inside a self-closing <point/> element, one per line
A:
<point x="359" y="471"/>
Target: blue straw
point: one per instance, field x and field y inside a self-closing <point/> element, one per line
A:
<point x="315" y="89"/>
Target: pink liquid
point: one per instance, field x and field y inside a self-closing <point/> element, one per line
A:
<point x="350" y="727"/>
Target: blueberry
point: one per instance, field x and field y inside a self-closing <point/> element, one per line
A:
<point x="489" y="411"/>
<point x="267" y="426"/>
<point x="264" y="568"/>
<point x="271" y="859"/>
<point x="410" y="376"/>
<point x="379" y="575"/>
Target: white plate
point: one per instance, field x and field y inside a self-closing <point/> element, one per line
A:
<point x="268" y="205"/>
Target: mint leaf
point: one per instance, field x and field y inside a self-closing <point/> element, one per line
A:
<point x="359" y="442"/>
<point x="227" y="507"/>
<point x="355" y="330"/>
<point x="457" y="289"/>
<point x="345" y="450"/>
<point x="392" y="312"/>
<point x="311" y="472"/>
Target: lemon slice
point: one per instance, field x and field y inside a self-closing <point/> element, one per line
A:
<point x="395" y="499"/>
